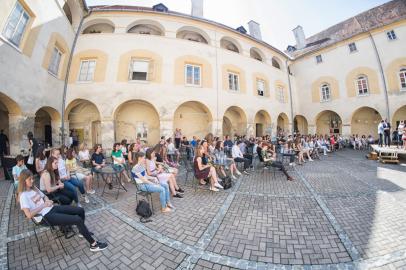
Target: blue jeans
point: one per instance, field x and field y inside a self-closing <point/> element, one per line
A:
<point x="163" y="190"/>
<point x="72" y="184"/>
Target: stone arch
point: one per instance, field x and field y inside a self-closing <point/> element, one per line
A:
<point x="146" y="27"/>
<point x="7" y="107"/>
<point x="353" y="75"/>
<point x="193" y="34"/>
<point x="328" y="122"/>
<point x="392" y="74"/>
<point x="282" y="123"/>
<point x="398" y="115"/>
<point x="46" y="125"/>
<point x="262" y="123"/>
<point x="73" y="11"/>
<point x="230" y="44"/>
<point x="235" y="116"/>
<point x="364" y="121"/>
<point x="193" y="118"/>
<point x="276" y="62"/>
<point x="300" y="124"/>
<point x="257" y="54"/>
<point x="98" y="26"/>
<point x="84" y="117"/>
<point x="137" y="118"/>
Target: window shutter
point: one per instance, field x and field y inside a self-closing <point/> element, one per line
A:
<point x="130" y="69"/>
<point x="151" y="69"/>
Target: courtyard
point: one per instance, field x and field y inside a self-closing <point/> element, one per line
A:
<point x="340" y="212"/>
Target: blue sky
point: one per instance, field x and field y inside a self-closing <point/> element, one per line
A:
<point x="276" y="17"/>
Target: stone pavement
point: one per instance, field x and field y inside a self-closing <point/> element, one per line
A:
<point x="342" y="212"/>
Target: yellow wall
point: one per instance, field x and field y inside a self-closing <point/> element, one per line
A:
<point x="302" y="125"/>
<point x="193" y="119"/>
<point x="234" y="69"/>
<point x="316" y="86"/>
<point x="365" y="122"/>
<point x="263" y="118"/>
<point x="238" y="120"/>
<point x="322" y="127"/>
<point x="101" y="65"/>
<point x="400" y="114"/>
<point x="56" y="40"/>
<point x="351" y="81"/>
<point x="392" y="74"/>
<point x="205" y="69"/>
<point x="155" y="65"/>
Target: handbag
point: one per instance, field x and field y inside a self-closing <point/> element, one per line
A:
<point x="30" y="160"/>
<point x="144" y="211"/>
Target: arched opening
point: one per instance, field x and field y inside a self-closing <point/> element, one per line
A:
<point x="282" y="125"/>
<point x="399" y="115"/>
<point x="262" y="123"/>
<point x="137" y="119"/>
<point x="364" y="121"/>
<point x="229" y="44"/>
<point x="328" y="122"/>
<point x="67" y="11"/>
<point x="276" y="63"/>
<point x="300" y="124"/>
<point x="234" y="121"/>
<point x="193" y="118"/>
<point x="256" y="54"/>
<point x="146" y="29"/>
<point x="192" y="34"/>
<point x="99" y="26"/>
<point x="46" y="126"/>
<point x="9" y="107"/>
<point x="84" y="121"/>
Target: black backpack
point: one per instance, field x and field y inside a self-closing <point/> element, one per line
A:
<point x="227" y="183"/>
<point x="144" y="211"/>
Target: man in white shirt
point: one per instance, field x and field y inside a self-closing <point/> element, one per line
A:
<point x="380" y="133"/>
<point x="239" y="157"/>
<point x="401" y="128"/>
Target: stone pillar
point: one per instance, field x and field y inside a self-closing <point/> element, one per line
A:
<point x="19" y="126"/>
<point x="166" y="127"/>
<point x="107" y="135"/>
<point x="250" y="129"/>
<point x="311" y="129"/>
<point x="57" y="132"/>
<point x="346" y="130"/>
<point x="217" y="127"/>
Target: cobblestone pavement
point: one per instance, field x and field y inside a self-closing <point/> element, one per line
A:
<point x="341" y="212"/>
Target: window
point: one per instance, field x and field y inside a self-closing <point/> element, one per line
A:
<point x="16" y="24"/>
<point x="261" y="88"/>
<point x="55" y="61"/>
<point x="325" y="92"/>
<point x="319" y="59"/>
<point x="233" y="81"/>
<point x="139" y="70"/>
<point x="362" y="85"/>
<point x="142" y="130"/>
<point x="391" y="35"/>
<point x="402" y="77"/>
<point x="352" y="47"/>
<point x="280" y="96"/>
<point x="86" y="70"/>
<point x="193" y="75"/>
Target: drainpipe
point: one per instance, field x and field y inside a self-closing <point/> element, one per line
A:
<point x="385" y="90"/>
<point x="290" y="97"/>
<point x="65" y="86"/>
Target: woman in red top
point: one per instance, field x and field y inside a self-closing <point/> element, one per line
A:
<point x="332" y="142"/>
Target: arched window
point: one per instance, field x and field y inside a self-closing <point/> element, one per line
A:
<point x="325" y="92"/>
<point x="362" y="85"/>
<point x="192" y="34"/>
<point x="275" y="63"/>
<point x="227" y="44"/>
<point x="402" y="77"/>
<point x="254" y="53"/>
<point x="145" y="29"/>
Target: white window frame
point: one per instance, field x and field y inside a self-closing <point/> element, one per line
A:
<point x="352" y="47"/>
<point x="391" y="35"/>
<point x="195" y="81"/>
<point x="280" y="94"/>
<point x="88" y="77"/>
<point x="402" y="72"/>
<point x="234" y="83"/>
<point x="361" y="79"/>
<point x="132" y="71"/>
<point x="260" y="81"/>
<point x="325" y="92"/>
<point x="17" y="26"/>
<point x="319" y="59"/>
<point x="53" y="67"/>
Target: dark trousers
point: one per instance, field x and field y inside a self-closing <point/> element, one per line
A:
<point x="278" y="164"/>
<point x="64" y="215"/>
<point x="246" y="161"/>
<point x="380" y="142"/>
<point x="249" y="157"/>
<point x="387" y="139"/>
<point x="65" y="196"/>
<point x="291" y="156"/>
<point x="177" y="143"/>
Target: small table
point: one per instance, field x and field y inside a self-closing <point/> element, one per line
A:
<point x="115" y="175"/>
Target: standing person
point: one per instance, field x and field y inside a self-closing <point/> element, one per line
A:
<point x="33" y="143"/>
<point x="401" y="128"/>
<point x="380" y="133"/>
<point x="386" y="130"/>
<point x="3" y="143"/>
<point x="178" y="136"/>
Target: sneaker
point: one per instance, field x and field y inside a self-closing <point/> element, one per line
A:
<point x="92" y="191"/>
<point x="238" y="173"/>
<point x="217" y="185"/>
<point x="246" y="173"/>
<point x="177" y="195"/>
<point x="98" y="247"/>
<point x="86" y="199"/>
<point x="214" y="189"/>
<point x="232" y="176"/>
<point x="79" y="205"/>
<point x="171" y="206"/>
<point x="180" y="190"/>
<point x="110" y="186"/>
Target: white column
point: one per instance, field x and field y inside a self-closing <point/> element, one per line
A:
<point x="250" y="129"/>
<point x="19" y="126"/>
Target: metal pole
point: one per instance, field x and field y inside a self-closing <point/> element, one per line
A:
<point x="291" y="98"/>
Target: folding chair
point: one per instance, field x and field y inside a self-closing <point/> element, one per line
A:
<point x="146" y="194"/>
<point x="40" y="221"/>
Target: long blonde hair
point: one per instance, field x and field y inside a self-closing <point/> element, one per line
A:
<point x="22" y="186"/>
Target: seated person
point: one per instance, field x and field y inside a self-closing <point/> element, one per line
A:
<point x="220" y="154"/>
<point x="271" y="161"/>
<point x="40" y="160"/>
<point x="239" y="157"/>
<point x="205" y="171"/>
<point x="119" y="160"/>
<point x="151" y="184"/>
<point x="160" y="154"/>
<point x="99" y="162"/>
<point x="18" y="168"/>
<point x="34" y="202"/>
<point x="50" y="183"/>
<point x="81" y="175"/>
<point x="84" y="155"/>
<point x="172" y="152"/>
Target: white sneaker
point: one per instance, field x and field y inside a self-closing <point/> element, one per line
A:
<point x="311" y="160"/>
<point x="92" y="191"/>
<point x="238" y="173"/>
<point x="214" y="189"/>
<point x="86" y="199"/>
<point x="232" y="176"/>
<point x="217" y="185"/>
